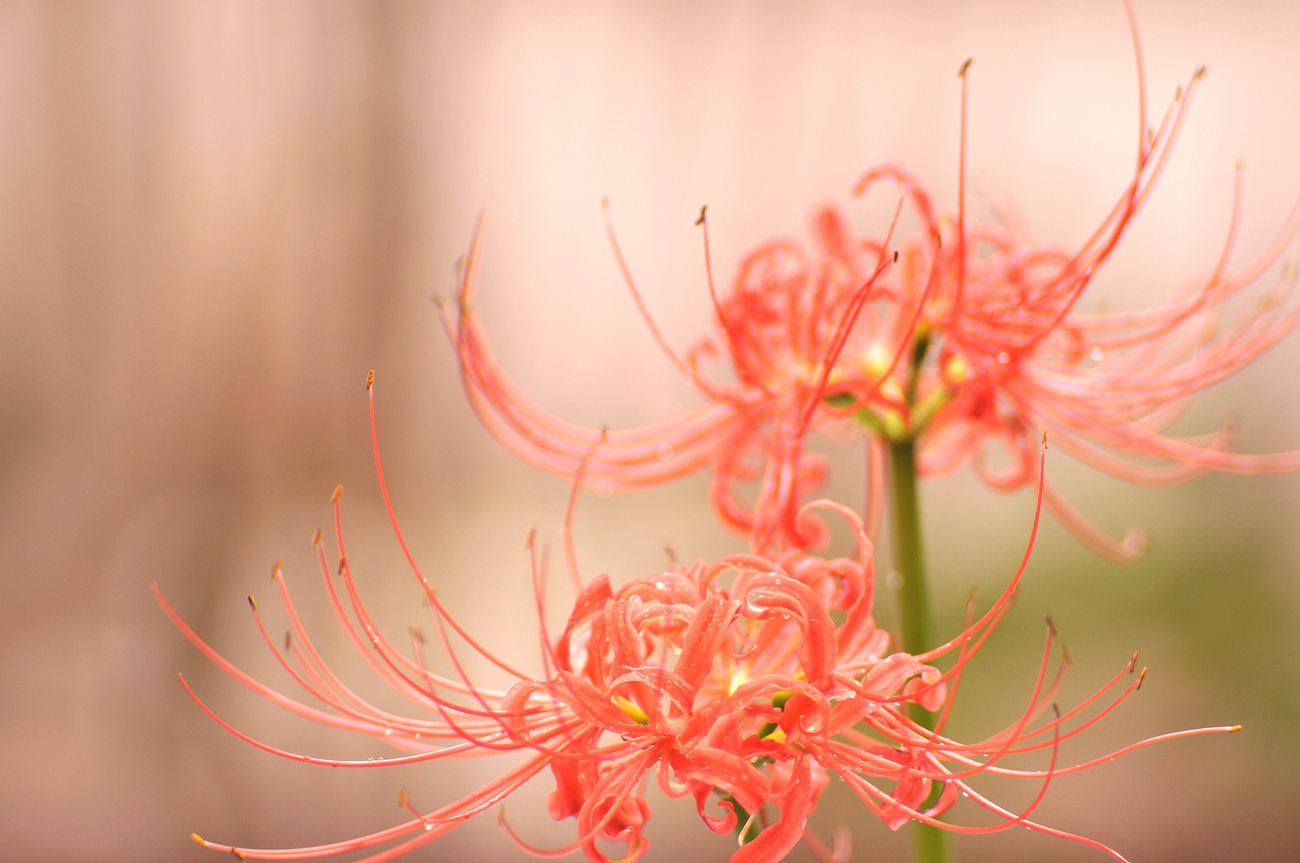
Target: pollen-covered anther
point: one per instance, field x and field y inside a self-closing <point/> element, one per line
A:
<point x="199" y="839"/>
<point x="338" y="493"/>
<point x="252" y="602"/>
<point x="633" y="712"/>
<point x="956" y="370"/>
<point x="876" y="360"/>
<point x="239" y="855"/>
<point x="370" y="379"/>
<point x="316" y="538"/>
<point x="288" y="641"/>
<point x="1141" y="676"/>
<point x="343" y="564"/>
<point x="275" y="569"/>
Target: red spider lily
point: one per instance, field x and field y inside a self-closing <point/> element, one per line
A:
<point x="780" y="346"/>
<point x="747" y="681"/>
<point x="962" y="336"/>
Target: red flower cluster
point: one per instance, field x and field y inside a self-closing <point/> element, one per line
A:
<point x="747" y="682"/>
<point x="962" y="336"/>
<point x="743" y="683"/>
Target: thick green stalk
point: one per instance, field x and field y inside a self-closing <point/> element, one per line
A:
<point x="931" y="845"/>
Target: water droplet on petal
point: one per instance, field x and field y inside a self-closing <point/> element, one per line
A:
<point x="1096" y="354"/>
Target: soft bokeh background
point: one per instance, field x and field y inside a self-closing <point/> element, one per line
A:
<point x="215" y="218"/>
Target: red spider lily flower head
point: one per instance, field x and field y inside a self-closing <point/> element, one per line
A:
<point x="963" y="337"/>
<point x="743" y="683"/>
<point x="996" y="353"/>
<point x="779" y="341"/>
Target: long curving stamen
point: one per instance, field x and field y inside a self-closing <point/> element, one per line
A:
<point x="960" y="287"/>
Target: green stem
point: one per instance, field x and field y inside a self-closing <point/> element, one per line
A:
<point x="931" y="844"/>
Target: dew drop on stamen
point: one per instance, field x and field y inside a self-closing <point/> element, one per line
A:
<point x="1096" y="354"/>
<point x="665" y="452"/>
<point x="1004" y="358"/>
<point x="428" y="825"/>
<point x="387" y="731"/>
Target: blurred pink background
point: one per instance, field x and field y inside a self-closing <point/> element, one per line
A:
<point x="215" y="218"/>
